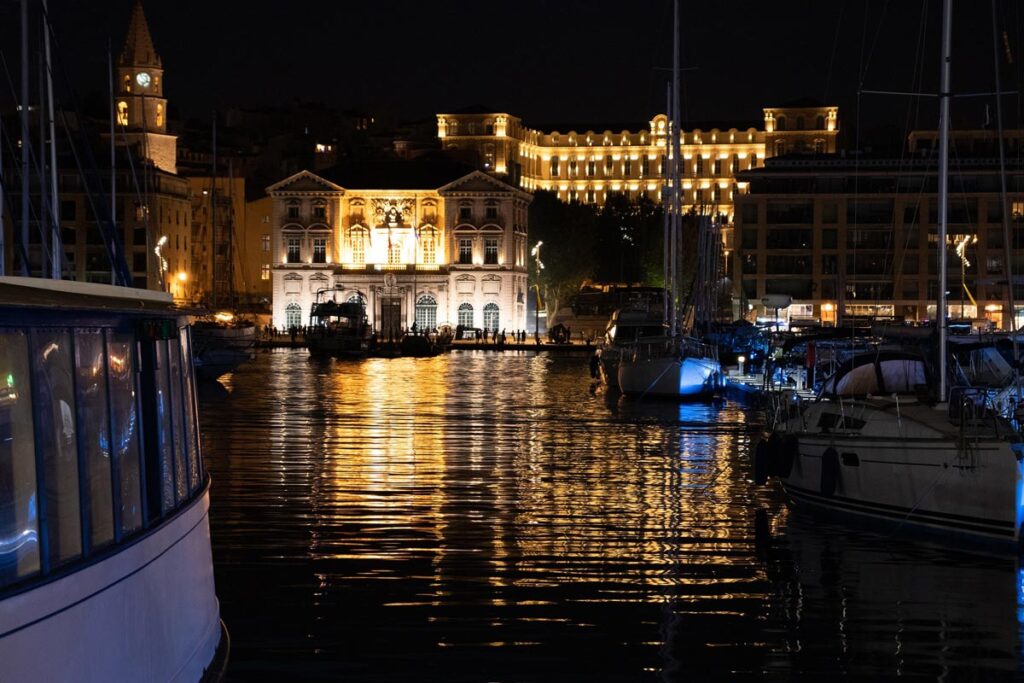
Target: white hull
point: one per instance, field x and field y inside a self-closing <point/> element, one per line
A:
<point x="669" y="377"/>
<point x="146" y="613"/>
<point x="902" y="470"/>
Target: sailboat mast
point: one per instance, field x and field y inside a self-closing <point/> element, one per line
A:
<point x="57" y="250"/>
<point x="666" y="206"/>
<point x="113" y="156"/>
<point x="944" y="94"/>
<point x="24" y="139"/>
<point x="675" y="166"/>
<point x="213" y="217"/>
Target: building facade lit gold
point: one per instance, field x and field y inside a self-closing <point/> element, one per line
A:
<point x="588" y="166"/>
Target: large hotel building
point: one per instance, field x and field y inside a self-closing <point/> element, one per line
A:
<point x="588" y="165"/>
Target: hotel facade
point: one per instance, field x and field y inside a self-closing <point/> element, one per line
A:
<point x="588" y="165"/>
<point x="426" y="242"/>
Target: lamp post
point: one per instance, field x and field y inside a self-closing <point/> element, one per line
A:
<point x="535" y="253"/>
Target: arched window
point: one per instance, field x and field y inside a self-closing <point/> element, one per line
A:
<point x="293" y="315"/>
<point x="491" y="316"/>
<point x="357" y="299"/>
<point x="122" y="113"/>
<point x="799" y="123"/>
<point x="426" y="313"/>
<point x="780" y="123"/>
<point x="159" y="115"/>
<point x="466" y="315"/>
<point x="819" y="123"/>
<point x="780" y="147"/>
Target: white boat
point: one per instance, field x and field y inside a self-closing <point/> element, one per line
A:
<point x="222" y="345"/>
<point x="626" y="328"/>
<point x="105" y="564"/>
<point x="686" y="370"/>
<point x="876" y="446"/>
<point x="672" y="366"/>
<point x="887" y="441"/>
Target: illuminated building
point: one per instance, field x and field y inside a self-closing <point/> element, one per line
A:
<point x="856" y="235"/>
<point x="427" y="241"/>
<point x="141" y="109"/>
<point x="588" y="165"/>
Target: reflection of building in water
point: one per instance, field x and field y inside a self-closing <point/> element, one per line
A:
<point x="428" y="241"/>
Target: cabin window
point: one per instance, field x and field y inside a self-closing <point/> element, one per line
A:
<point x="19" y="506"/>
<point x="162" y="427"/>
<point x="175" y="406"/>
<point x="124" y="421"/>
<point x="189" y="415"/>
<point x="57" y="438"/>
<point x="94" y="434"/>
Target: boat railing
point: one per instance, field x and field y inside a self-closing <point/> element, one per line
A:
<point x="983" y="412"/>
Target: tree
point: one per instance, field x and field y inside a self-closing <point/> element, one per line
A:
<point x="567" y="231"/>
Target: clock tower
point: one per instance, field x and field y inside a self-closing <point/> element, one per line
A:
<point x="140" y="106"/>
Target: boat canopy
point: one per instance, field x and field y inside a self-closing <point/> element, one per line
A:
<point x="884" y="372"/>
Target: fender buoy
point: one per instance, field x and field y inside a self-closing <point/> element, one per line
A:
<point x="761" y="463"/>
<point x="829" y="472"/>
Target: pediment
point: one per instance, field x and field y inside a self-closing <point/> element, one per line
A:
<point x="477" y="181"/>
<point x="304" y="181"/>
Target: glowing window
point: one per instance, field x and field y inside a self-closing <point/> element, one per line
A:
<point x="159" y="115"/>
<point x="122" y="113"/>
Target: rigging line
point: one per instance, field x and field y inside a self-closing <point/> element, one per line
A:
<point x="21" y="248"/>
<point x="835" y="48"/>
<point x="112" y="241"/>
<point x="34" y="168"/>
<point x="1007" y="253"/>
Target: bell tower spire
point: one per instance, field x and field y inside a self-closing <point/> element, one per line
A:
<point x="141" y="106"/>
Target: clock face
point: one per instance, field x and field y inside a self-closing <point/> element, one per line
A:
<point x="142" y="78"/>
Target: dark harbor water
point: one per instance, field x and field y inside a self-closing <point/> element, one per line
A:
<point x="483" y="517"/>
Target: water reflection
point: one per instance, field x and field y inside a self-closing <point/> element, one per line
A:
<point x="484" y="517"/>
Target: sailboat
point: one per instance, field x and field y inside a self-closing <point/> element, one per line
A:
<point x="223" y="339"/>
<point x="877" y="446"/>
<point x="670" y="366"/>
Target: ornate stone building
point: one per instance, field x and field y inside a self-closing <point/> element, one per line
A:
<point x="587" y="165"/>
<point x="425" y="241"/>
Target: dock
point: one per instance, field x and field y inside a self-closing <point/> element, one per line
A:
<point x="574" y="348"/>
<point x="751" y="389"/>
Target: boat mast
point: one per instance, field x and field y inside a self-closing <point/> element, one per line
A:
<point x="56" y="248"/>
<point x="675" y="166"/>
<point x="24" y="139"/>
<point x="113" y="156"/>
<point x="213" y="217"/>
<point x="1004" y="205"/>
<point x="944" y="94"/>
<point x="666" y="208"/>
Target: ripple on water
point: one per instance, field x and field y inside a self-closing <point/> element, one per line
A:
<point x="480" y="516"/>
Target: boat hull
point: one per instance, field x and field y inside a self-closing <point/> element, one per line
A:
<point x="948" y="485"/>
<point x="672" y="378"/>
<point x="147" y="612"/>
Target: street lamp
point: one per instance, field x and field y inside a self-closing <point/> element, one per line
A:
<point x="535" y="253"/>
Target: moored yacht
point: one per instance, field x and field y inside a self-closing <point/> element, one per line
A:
<point x="106" y="571"/>
<point x="626" y="328"/>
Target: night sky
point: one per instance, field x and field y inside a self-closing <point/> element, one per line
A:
<point x="547" y="61"/>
